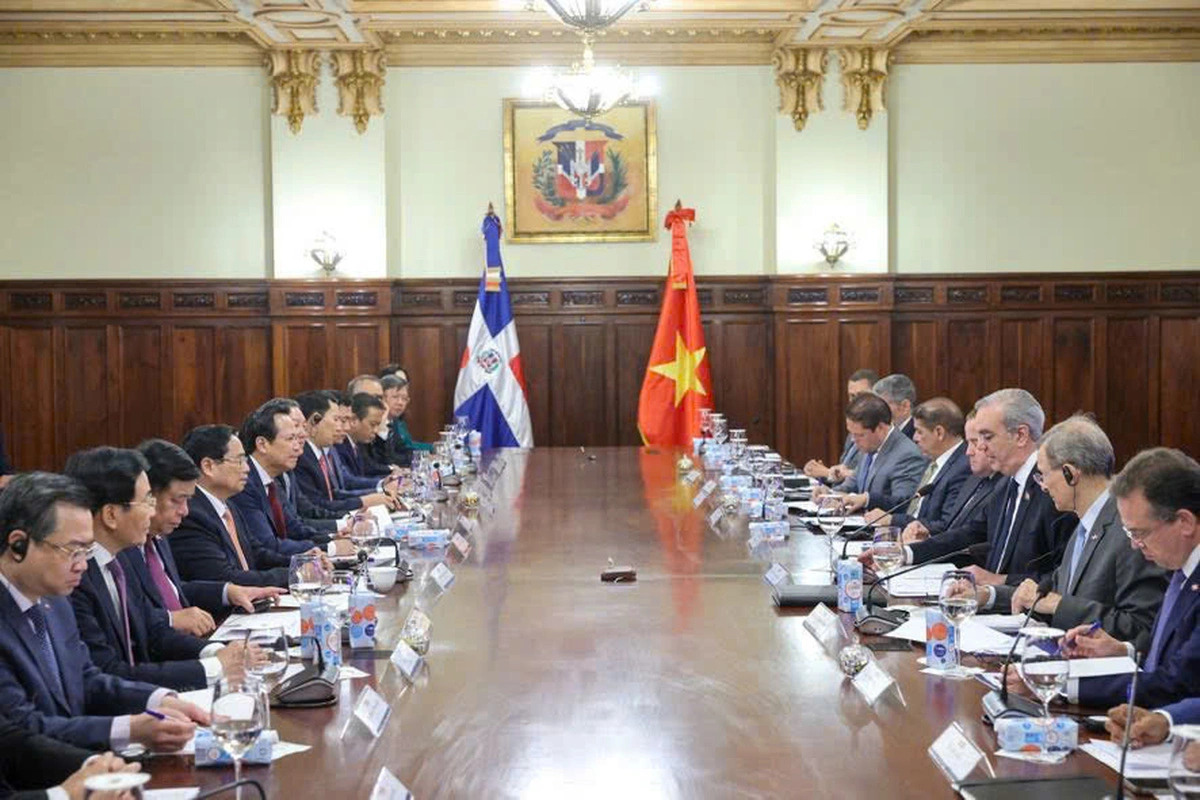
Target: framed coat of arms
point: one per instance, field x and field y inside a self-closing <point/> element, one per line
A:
<point x="567" y="179"/>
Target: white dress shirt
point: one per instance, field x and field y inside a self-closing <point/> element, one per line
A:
<point x="267" y="480"/>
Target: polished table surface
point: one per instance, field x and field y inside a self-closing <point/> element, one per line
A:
<point x="544" y="682"/>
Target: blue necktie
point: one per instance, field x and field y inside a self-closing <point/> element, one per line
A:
<point x="1081" y="537"/>
<point x="1164" y="615"/>
<point x="1006" y="527"/>
<point x="49" y="661"/>
<point x="866" y="471"/>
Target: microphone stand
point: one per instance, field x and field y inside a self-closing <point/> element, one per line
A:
<point x="922" y="492"/>
<point x="1137" y="664"/>
<point x="1042" y="590"/>
<point x="225" y="787"/>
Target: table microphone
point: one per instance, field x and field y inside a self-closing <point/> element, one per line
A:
<point x="225" y="787"/>
<point x="1043" y="589"/>
<point x="922" y="492"/>
<point x="877" y="623"/>
<point x="972" y="550"/>
<point x="1137" y="664"/>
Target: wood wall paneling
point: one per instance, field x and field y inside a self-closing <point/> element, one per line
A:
<point x="87" y="363"/>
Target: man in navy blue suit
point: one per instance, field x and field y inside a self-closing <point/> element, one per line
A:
<point x="357" y="452"/>
<point x="345" y="477"/>
<point x="270" y="434"/>
<point x="190" y="605"/>
<point x="1158" y="498"/>
<point x="1152" y="726"/>
<point x="316" y="473"/>
<point x="48" y="682"/>
<point x="213" y="542"/>
<point x="938" y="434"/>
<point x="125" y="635"/>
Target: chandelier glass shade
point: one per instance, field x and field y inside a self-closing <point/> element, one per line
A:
<point x="585" y="89"/>
<point x="589" y="16"/>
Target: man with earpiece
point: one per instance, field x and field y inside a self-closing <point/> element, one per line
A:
<point x="1101" y="578"/>
<point x="48" y="682"/>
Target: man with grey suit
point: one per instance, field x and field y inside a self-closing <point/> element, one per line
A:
<point x="859" y="383"/>
<point x="1101" y="578"/>
<point x="891" y="466"/>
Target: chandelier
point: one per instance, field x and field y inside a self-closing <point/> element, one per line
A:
<point x="585" y="89"/>
<point x="588" y="16"/>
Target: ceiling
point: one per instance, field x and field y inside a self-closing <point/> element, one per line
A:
<point x="485" y="32"/>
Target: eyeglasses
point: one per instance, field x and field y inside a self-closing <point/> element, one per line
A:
<point x="241" y="460"/>
<point x="76" y="554"/>
<point x="1136" y="535"/>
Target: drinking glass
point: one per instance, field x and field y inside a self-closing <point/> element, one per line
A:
<point x="886" y="549"/>
<point x="1183" y="773"/>
<point x="831" y="516"/>
<point x="1044" y="668"/>
<point x="957" y="601"/>
<point x="238" y="717"/>
<point x="307" y="576"/>
<point x="706" y="422"/>
<point x="273" y="656"/>
<point x="720" y="428"/>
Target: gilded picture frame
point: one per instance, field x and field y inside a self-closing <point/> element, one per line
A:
<point x="570" y="180"/>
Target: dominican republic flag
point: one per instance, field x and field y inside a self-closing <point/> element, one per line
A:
<point x="491" y="386"/>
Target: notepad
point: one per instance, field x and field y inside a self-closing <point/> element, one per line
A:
<point x="975" y="638"/>
<point x="236" y="625"/>
<point x="1145" y="763"/>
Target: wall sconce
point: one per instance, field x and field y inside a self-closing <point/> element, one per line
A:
<point x="834" y="243"/>
<point x="326" y="252"/>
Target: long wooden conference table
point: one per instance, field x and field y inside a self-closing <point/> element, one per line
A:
<point x="542" y="681"/>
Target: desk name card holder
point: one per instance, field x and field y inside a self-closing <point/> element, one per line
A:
<point x="372" y="711"/>
<point x="714" y="519"/>
<point x="460" y="543"/>
<point x="823" y="624"/>
<point x="692" y="477"/>
<point x="956" y="756"/>
<point x="776" y="575"/>
<point x="389" y="787"/>
<point x="705" y="492"/>
<point x="442" y="576"/>
<point x="872" y="682"/>
<point x="405" y="659"/>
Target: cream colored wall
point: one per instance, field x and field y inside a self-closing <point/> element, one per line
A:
<point x="445" y="162"/>
<point x="1045" y="167"/>
<point x="139" y="173"/>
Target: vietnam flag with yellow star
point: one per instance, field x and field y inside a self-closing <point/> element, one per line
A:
<point x="677" y="383"/>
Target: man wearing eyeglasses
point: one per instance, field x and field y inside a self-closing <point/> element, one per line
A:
<point x="1158" y="497"/>
<point x="48" y="683"/>
<point x="124" y="636"/>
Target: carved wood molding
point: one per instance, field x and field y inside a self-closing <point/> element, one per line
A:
<point x="294" y="75"/>
<point x="359" y="78"/>
<point x="864" y="82"/>
<point x="800" y="75"/>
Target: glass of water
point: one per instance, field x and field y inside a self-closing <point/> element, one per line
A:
<point x="957" y="601"/>
<point x="267" y="659"/>
<point x="1183" y="774"/>
<point x="238" y="717"/>
<point x="307" y="576"/>
<point x="886" y="549"/>
<point x="1044" y="668"/>
<point x="831" y="516"/>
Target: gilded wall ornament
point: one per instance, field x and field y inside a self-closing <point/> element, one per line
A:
<point x="864" y="81"/>
<point x="800" y="74"/>
<point x="294" y="84"/>
<point x="359" y="78"/>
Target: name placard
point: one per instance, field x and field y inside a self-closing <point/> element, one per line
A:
<point x="372" y="710"/>
<point x="872" y="681"/>
<point x="389" y="787"/>
<point x="405" y="659"/>
<point x="776" y="575"/>
<point x="692" y="477"/>
<point x="460" y="543"/>
<point x="823" y="625"/>
<point x="955" y="754"/>
<point x="442" y="576"/>
<point x="715" y="517"/>
<point x="705" y="492"/>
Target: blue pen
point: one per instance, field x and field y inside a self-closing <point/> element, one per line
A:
<point x="1095" y="626"/>
<point x="156" y="715"/>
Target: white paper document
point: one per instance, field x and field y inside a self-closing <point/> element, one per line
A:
<point x="1009" y="623"/>
<point x="1097" y="667"/>
<point x="1144" y="763"/>
<point x="201" y="697"/>
<point x="923" y="582"/>
<point x="236" y="625"/>
<point x="975" y="638"/>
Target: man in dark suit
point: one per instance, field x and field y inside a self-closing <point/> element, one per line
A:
<point x="1024" y="530"/>
<point x="891" y="466"/>
<point x="172" y="476"/>
<point x="124" y="635"/>
<point x="939" y="437"/>
<point x="367" y="413"/>
<point x="316" y="474"/>
<point x="1101" y="578"/>
<point x="900" y="393"/>
<point x="973" y="497"/>
<point x="212" y="543"/>
<point x="345" y="478"/>
<point x="270" y="524"/>
<point x="1158" y="498"/>
<point x="860" y="382"/>
<point x="48" y="683"/>
<point x="30" y="763"/>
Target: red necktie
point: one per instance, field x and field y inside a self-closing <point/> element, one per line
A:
<point x="325" y="471"/>
<point x="277" y="511"/>
<point x="158" y="574"/>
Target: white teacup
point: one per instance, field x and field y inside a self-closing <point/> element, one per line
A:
<point x="382" y="578"/>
